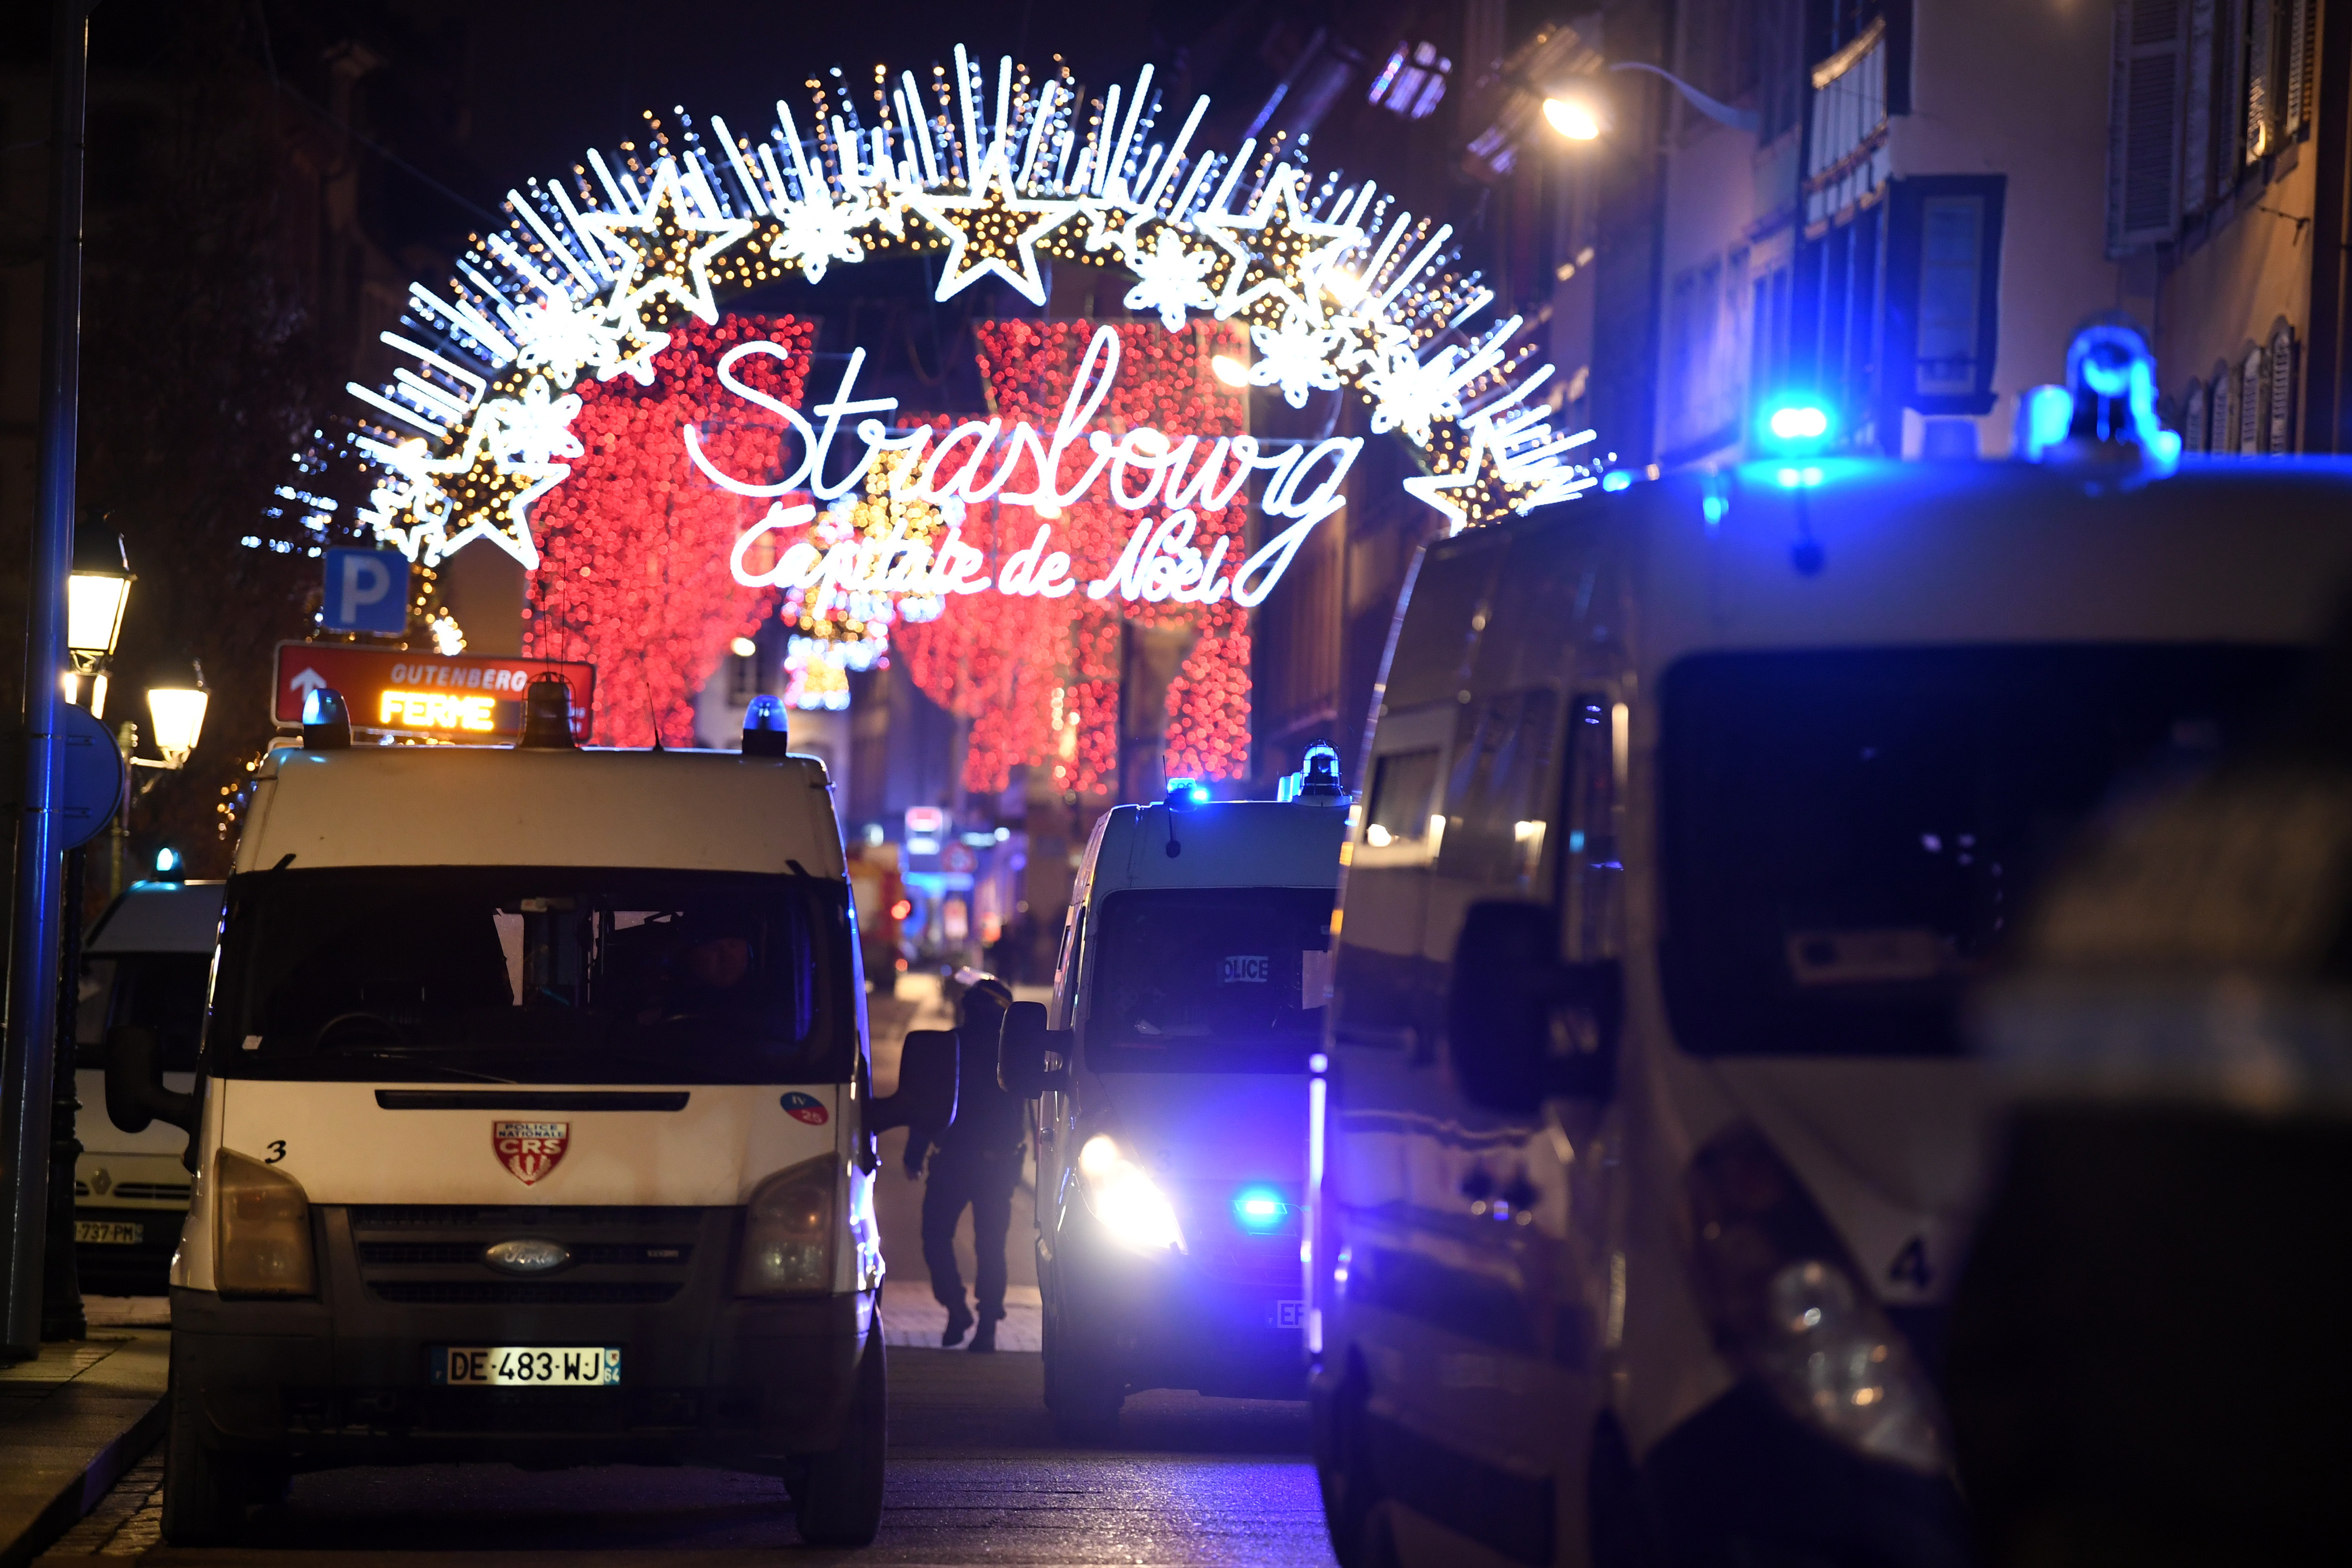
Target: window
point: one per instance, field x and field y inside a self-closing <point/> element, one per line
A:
<point x="2282" y="389"/>
<point x="1592" y="873"/>
<point x="2144" y="109"/>
<point x="1846" y="157"/>
<point x="1944" y="289"/>
<point x="534" y="975"/>
<point x="1846" y="836"/>
<point x="2254" y="386"/>
<point x="1493" y="813"/>
<point x="1413" y="81"/>
<point x="165" y="992"/>
<point x="2222" y="442"/>
<point x="1404" y="791"/>
<point x="2192" y="417"/>
<point x="1209" y="980"/>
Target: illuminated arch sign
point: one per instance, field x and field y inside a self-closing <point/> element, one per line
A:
<point x="596" y="316"/>
<point x="1138" y="470"/>
<point x="1336" y="286"/>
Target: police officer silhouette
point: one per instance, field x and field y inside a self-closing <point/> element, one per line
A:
<point x="974" y="1162"/>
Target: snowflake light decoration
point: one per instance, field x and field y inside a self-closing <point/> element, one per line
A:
<point x="1339" y="286"/>
<point x="1295" y="356"/>
<point x="1171" y="279"/>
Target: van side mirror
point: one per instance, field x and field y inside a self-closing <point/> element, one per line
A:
<point x="1522" y="1025"/>
<point x="1020" y="1050"/>
<point x="926" y="1099"/>
<point x="135" y="1095"/>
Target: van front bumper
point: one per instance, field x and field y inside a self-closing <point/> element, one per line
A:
<point x="347" y="1377"/>
<point x="1742" y="1481"/>
<point x="288" y="1383"/>
<point x="1170" y="1322"/>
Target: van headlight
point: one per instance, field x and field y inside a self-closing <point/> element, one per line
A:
<point x="788" y="1231"/>
<point x="1789" y="1307"/>
<point x="261" y="1230"/>
<point x="1125" y="1201"/>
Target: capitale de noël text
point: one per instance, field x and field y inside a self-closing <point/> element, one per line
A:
<point x="1140" y="469"/>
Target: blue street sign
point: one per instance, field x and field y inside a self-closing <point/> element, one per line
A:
<point x="367" y="591"/>
<point x="93" y="778"/>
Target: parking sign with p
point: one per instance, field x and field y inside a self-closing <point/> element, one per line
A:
<point x="367" y="591"/>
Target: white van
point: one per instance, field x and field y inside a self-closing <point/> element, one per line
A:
<point x="1692" y="810"/>
<point x="146" y="965"/>
<point x="1172" y="1089"/>
<point x="535" y="1125"/>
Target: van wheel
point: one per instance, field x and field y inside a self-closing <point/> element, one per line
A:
<point x="1084" y="1398"/>
<point x="837" y="1496"/>
<point x="203" y="1496"/>
<point x="1343" y="1468"/>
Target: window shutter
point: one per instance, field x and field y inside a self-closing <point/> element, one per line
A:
<point x="2301" y="16"/>
<point x="2192" y="417"/>
<point x="2197" y="116"/>
<point x="2262" y="76"/>
<point x="2251" y="384"/>
<point x="2144" y="106"/>
<point x="2224" y="440"/>
<point x="2281" y="430"/>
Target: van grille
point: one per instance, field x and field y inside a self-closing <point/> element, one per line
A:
<point x="432" y="1254"/>
<point x="470" y="1292"/>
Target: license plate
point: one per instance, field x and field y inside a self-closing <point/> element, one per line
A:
<point x="532" y="1366"/>
<point x="109" y="1232"/>
<point x="1287" y="1315"/>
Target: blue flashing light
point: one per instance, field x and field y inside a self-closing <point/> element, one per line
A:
<point x="2107" y="407"/>
<point x="167" y="864"/>
<point x="1260" y="1208"/>
<point x="1616" y="480"/>
<point x="1799" y="424"/>
<point x="1794" y="425"/>
<point x="1802" y="479"/>
<point x="1183" y="794"/>
<point x="1713" y="506"/>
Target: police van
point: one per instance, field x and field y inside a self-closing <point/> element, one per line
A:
<point x="534" y="1124"/>
<point x="1692" y="810"/>
<point x="1170" y="1079"/>
<point x="145" y="967"/>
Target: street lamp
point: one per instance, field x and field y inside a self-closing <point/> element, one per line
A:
<point x="1576" y="114"/>
<point x="179" y="715"/>
<point x="95" y="593"/>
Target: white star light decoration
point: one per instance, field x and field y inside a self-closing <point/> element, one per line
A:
<point x="1336" y="286"/>
<point x="990" y="229"/>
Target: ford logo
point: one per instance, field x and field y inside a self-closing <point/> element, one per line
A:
<point x="526" y="1255"/>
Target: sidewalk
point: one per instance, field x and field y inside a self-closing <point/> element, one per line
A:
<point x="72" y="1421"/>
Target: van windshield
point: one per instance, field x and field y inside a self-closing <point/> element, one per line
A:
<point x="1210" y="980"/>
<point x="534" y="975"/>
<point x="1846" y="836"/>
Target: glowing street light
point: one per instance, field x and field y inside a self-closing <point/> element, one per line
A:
<point x="1573" y="117"/>
<point x="179" y="715"/>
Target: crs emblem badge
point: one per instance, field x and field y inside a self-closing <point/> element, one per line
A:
<point x="806" y="1108"/>
<point x="530" y="1149"/>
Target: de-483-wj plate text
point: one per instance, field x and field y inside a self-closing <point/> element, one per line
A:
<point x="527" y="1366"/>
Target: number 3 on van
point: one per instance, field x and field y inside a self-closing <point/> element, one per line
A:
<point x="530" y="1149"/>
